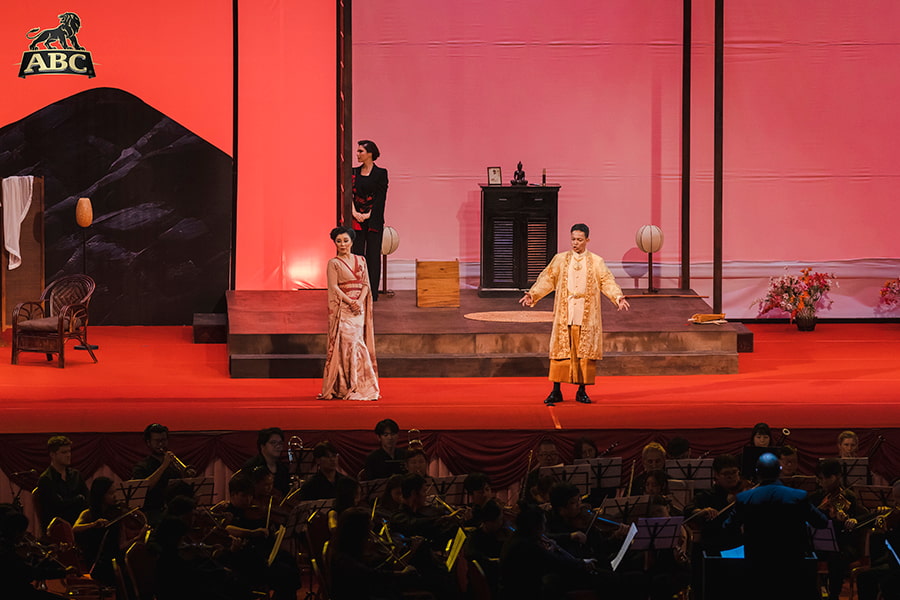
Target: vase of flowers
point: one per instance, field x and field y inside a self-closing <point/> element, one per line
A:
<point x="801" y="296"/>
<point x="890" y="295"/>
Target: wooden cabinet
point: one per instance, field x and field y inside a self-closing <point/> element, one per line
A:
<point x="518" y="235"/>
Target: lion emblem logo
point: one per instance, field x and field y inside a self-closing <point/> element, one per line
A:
<point x="69" y="25"/>
<point x="61" y="53"/>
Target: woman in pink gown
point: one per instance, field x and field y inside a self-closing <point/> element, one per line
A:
<point x="351" y="371"/>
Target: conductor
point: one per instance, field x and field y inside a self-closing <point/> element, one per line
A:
<point x="774" y="518"/>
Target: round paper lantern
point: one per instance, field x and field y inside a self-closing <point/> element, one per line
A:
<point x="649" y="238"/>
<point x="84" y="213"/>
<point x="390" y="241"/>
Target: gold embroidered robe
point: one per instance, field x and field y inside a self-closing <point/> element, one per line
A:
<point x="600" y="280"/>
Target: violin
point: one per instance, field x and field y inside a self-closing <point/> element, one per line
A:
<point x="209" y="528"/>
<point x="589" y="519"/>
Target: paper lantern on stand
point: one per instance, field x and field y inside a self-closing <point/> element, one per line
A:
<point x="390" y="241"/>
<point x="649" y="239"/>
<point x="84" y="217"/>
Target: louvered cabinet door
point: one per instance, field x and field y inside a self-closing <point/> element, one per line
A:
<point x="519" y="236"/>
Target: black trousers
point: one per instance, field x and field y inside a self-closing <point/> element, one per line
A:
<point x="368" y="245"/>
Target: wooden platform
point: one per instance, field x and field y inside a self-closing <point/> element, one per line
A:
<point x="281" y="334"/>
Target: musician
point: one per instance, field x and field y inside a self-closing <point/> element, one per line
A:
<point x="776" y="540"/>
<point x="533" y="567"/>
<point x="352" y="567"/>
<point x="270" y="445"/>
<point x="324" y="483"/>
<point x="547" y="455"/>
<point x="388" y="459"/>
<point x="847" y="444"/>
<point x="707" y="504"/>
<point x="585" y="448"/>
<point x="61" y="489"/>
<point x="653" y="458"/>
<point x="678" y="447"/>
<point x="157" y="470"/>
<point x="842" y="508"/>
<point x="485" y="543"/>
<point x="347" y="495"/>
<point x="667" y="571"/>
<point x="18" y="571"/>
<point x="478" y="487"/>
<point x="390" y="499"/>
<point x="883" y="574"/>
<point x="566" y="528"/>
<point x="761" y="436"/>
<point x="790" y="462"/>
<point x="102" y="533"/>
<point x="250" y="562"/>
<point x="657" y="484"/>
<point x="417" y="463"/>
<point x="416" y="518"/>
<point x="185" y="571"/>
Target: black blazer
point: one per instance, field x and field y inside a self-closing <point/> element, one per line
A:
<point x="370" y="194"/>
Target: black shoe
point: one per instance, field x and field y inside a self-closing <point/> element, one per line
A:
<point x="581" y="396"/>
<point x="553" y="398"/>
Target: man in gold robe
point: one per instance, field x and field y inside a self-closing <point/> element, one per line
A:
<point x="576" y="342"/>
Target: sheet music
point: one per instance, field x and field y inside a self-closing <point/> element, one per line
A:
<point x="632" y="531"/>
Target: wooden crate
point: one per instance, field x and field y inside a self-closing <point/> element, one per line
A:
<point x="437" y="283"/>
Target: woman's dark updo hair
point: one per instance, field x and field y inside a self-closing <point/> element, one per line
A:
<point x="370" y="147"/>
<point x="339" y="230"/>
<point x="763" y="429"/>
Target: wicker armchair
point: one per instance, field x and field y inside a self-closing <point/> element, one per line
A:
<point x="59" y="316"/>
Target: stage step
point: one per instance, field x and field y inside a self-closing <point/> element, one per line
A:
<point x="706" y="338"/>
<point x="311" y="366"/>
<point x="284" y="334"/>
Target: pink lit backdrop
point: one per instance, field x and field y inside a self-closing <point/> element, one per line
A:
<point x="592" y="93"/>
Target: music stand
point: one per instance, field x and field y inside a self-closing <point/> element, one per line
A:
<point x="134" y="491"/>
<point x="449" y="489"/>
<point x="371" y="489"/>
<point x="606" y="472"/>
<point x="824" y="539"/>
<point x="202" y="488"/>
<point x="873" y="496"/>
<point x="306" y="464"/>
<point x="854" y="471"/>
<point x="660" y="533"/>
<point x="682" y="493"/>
<point x="626" y="508"/>
<point x="577" y="475"/>
<point x="698" y="471"/>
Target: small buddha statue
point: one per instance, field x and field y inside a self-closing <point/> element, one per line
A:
<point x="519" y="176"/>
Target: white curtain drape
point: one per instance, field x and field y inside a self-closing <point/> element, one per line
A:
<point x="16" y="202"/>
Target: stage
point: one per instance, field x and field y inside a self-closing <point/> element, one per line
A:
<point x="841" y="375"/>
<point x="816" y="384"/>
<point x="283" y="334"/>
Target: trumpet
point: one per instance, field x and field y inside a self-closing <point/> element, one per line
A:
<point x="179" y="463"/>
<point x="784" y="435"/>
<point x="415" y="440"/>
<point x="295" y="450"/>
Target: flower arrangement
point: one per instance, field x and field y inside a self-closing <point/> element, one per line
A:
<point x="890" y="294"/>
<point x="798" y="294"/>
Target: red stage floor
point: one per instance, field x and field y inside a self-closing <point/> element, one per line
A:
<point x="841" y="375"/>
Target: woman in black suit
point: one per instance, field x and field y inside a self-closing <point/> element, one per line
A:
<point x="370" y="183"/>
